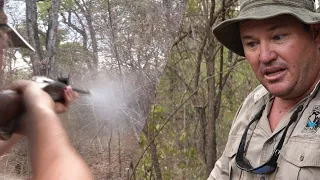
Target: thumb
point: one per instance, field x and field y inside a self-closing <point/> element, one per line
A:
<point x="20" y="85"/>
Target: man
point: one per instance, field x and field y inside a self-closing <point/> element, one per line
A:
<point x="275" y="133"/>
<point x="52" y="155"/>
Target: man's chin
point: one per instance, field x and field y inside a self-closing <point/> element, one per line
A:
<point x="278" y="91"/>
<point x="285" y="95"/>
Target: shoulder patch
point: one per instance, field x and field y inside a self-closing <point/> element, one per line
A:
<point x="312" y="125"/>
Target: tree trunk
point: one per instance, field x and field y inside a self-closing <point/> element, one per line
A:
<point x="33" y="35"/>
<point x="52" y="37"/>
<point x="211" y="124"/>
<point x="202" y="118"/>
<point x="86" y="11"/>
<point x="82" y="32"/>
<point x="153" y="149"/>
<point x="114" y="43"/>
<point x="155" y="160"/>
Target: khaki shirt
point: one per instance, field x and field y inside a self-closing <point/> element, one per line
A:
<point x="300" y="155"/>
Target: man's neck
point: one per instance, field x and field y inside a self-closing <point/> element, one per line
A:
<point x="279" y="108"/>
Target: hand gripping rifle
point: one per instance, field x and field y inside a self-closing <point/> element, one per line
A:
<point x="11" y="103"/>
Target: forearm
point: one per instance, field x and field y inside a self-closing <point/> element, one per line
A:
<point x="52" y="154"/>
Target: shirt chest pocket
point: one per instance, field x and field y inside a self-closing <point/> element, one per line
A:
<point x="300" y="159"/>
<point x="231" y="151"/>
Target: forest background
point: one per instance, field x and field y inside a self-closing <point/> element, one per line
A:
<point x="164" y="91"/>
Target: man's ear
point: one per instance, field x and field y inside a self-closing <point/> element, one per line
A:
<point x="315" y="31"/>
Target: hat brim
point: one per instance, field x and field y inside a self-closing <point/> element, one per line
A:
<point x="228" y="32"/>
<point x="17" y="40"/>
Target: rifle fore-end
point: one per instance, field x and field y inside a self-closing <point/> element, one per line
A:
<point x="11" y="108"/>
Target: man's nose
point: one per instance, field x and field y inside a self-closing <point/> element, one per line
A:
<point x="267" y="53"/>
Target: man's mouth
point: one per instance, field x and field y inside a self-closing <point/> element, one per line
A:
<point x="275" y="73"/>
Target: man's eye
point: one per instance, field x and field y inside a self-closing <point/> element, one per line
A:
<point x="278" y="37"/>
<point x="251" y="44"/>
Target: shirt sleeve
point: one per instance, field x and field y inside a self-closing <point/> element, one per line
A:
<point x="221" y="169"/>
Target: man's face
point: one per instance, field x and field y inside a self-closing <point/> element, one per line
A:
<point x="283" y="54"/>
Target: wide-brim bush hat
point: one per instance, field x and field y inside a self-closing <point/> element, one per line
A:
<point x="228" y="32"/>
<point x="15" y="39"/>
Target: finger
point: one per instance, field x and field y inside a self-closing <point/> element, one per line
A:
<point x="75" y="95"/>
<point x="60" y="108"/>
<point x="20" y="85"/>
<point x="67" y="97"/>
<point x="71" y="95"/>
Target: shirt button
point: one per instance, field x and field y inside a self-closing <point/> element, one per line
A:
<point x="302" y="157"/>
